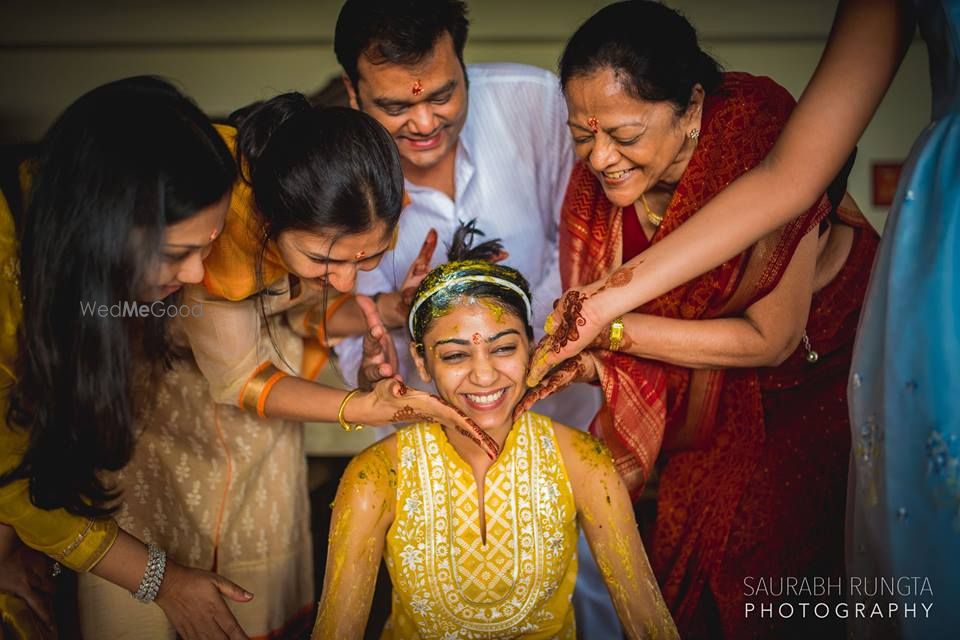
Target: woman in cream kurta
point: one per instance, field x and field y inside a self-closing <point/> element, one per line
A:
<point x="210" y="481"/>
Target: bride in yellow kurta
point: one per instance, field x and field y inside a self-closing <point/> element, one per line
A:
<point x="479" y="548"/>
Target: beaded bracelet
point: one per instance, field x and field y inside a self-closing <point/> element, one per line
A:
<point x="153" y="575"/>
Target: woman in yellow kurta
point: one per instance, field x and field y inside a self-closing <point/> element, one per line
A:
<point x="479" y="548"/>
<point x="117" y="214"/>
<point x="218" y="478"/>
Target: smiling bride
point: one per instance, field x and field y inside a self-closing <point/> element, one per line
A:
<point x="481" y="548"/>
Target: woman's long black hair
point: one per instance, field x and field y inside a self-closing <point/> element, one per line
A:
<point x="119" y="165"/>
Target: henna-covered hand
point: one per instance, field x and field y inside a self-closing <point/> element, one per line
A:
<point x="392" y="401"/>
<point x="417" y="272"/>
<point x="575" y="322"/>
<point x="394" y="306"/>
<point x="461" y="422"/>
<point x="580" y="368"/>
<point x="468" y="428"/>
<point x="570" y="328"/>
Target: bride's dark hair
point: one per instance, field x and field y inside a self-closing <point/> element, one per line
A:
<point x="468" y="260"/>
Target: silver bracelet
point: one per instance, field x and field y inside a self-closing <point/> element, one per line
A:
<point x="153" y="576"/>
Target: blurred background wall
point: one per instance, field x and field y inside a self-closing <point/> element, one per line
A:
<point x="227" y="53"/>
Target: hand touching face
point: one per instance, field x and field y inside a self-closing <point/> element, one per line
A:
<point x="477" y="357"/>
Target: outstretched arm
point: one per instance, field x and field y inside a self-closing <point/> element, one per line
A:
<point x="362" y="513"/>
<point x="238" y="359"/>
<point x="764" y="336"/>
<point x="606" y="514"/>
<point x="867" y="43"/>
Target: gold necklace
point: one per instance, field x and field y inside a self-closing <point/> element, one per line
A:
<point x="654" y="217"/>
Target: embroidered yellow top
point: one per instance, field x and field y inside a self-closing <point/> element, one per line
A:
<point x="413" y="500"/>
<point x="445" y="579"/>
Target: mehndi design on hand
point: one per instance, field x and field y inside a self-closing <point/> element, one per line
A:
<point x="568" y="372"/>
<point x="571" y="317"/>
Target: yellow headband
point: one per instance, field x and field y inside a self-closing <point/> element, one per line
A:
<point x="500" y="282"/>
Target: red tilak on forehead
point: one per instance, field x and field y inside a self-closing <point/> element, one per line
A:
<point x="417" y="88"/>
<point x="594" y="123"/>
<point x="359" y="255"/>
<point x="477" y="338"/>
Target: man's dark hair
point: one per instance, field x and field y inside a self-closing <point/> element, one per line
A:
<point x="396" y="31"/>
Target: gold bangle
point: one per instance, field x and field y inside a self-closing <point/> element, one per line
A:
<point x="346" y="426"/>
<point x="616" y="334"/>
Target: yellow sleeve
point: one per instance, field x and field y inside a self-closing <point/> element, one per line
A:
<point x="77" y="542"/>
<point x="72" y="540"/>
<point x="606" y="515"/>
<point x="10" y="309"/>
<point x="362" y="513"/>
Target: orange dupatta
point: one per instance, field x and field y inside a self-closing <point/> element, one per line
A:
<point x="230" y="270"/>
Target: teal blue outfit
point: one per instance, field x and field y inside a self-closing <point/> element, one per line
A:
<point x="905" y="379"/>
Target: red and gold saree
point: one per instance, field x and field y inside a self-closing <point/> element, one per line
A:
<point x="752" y="462"/>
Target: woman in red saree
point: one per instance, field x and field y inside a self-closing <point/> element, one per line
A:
<point x="733" y="385"/>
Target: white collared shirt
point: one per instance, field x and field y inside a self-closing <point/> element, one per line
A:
<point x="512" y="165"/>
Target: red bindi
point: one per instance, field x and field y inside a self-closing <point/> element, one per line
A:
<point x="477" y="338"/>
<point x="594" y="123"/>
<point x="417" y="88"/>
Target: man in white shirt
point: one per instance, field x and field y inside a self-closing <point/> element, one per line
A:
<point x="499" y="152"/>
<point x="506" y="164"/>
